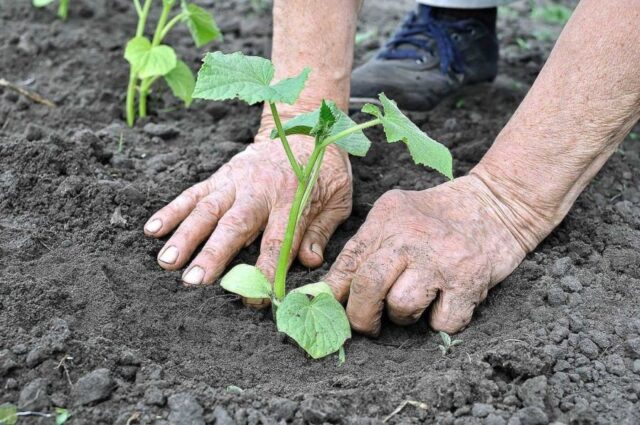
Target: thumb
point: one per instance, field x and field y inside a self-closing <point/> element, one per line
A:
<point x="317" y="235"/>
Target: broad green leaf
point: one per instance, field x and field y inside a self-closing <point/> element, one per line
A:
<point x="318" y="325"/>
<point x="446" y="339"/>
<point x="228" y="76"/>
<point x="314" y="289"/>
<point x="423" y="149"/>
<point x="62" y="415"/>
<point x="201" y="24"/>
<point x="181" y="81"/>
<point x="8" y="414"/>
<point x="247" y="281"/>
<point x="148" y="60"/>
<point x="356" y="144"/>
<point x="41" y="3"/>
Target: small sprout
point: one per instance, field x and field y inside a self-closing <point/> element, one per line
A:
<point x="310" y="315"/>
<point x="447" y="343"/>
<point x="551" y="13"/>
<point x="634" y="136"/>
<point x="459" y="104"/>
<point x="62" y="415"/>
<point x="150" y="60"/>
<point x="523" y="44"/>
<point x="363" y="37"/>
<point x="8" y="414"/>
<point x="232" y="389"/>
<point x="63" y="6"/>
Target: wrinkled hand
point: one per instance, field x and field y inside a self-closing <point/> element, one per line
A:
<point x="447" y="244"/>
<point x="251" y="193"/>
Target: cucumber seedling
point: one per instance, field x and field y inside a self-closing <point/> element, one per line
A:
<point x="310" y="315"/>
<point x="63" y="6"/>
<point x="150" y="59"/>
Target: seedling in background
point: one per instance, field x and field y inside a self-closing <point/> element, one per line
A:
<point x="150" y="59"/>
<point x="310" y="315"/>
<point x="63" y="6"/>
<point x="447" y="343"/>
<point x="9" y="414"/>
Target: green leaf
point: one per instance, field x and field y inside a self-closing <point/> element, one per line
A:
<point x="41" y="3"/>
<point x="201" y="24"/>
<point x="8" y="414"/>
<point x="247" y="281"/>
<point x="62" y="415"/>
<point x="446" y="339"/>
<point x="314" y="289"/>
<point x="326" y="120"/>
<point x="320" y="326"/>
<point x="456" y="342"/>
<point x="228" y="76"/>
<point x="423" y="149"/>
<point x="182" y="82"/>
<point x="148" y="60"/>
<point x="356" y="143"/>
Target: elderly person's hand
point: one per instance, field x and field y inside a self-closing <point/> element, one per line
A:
<point x="449" y="243"/>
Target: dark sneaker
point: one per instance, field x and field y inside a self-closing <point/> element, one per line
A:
<point x="430" y="57"/>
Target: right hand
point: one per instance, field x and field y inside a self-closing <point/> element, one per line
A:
<point x="251" y="193"/>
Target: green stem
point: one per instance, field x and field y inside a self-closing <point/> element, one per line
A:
<point x="171" y="24"/>
<point x="133" y="78"/>
<point x="280" y="279"/>
<point x="166" y="9"/>
<point x="285" y="143"/>
<point x="63" y="9"/>
<point x="344" y="133"/>
<point x="144" y="93"/>
<point x="136" y="3"/>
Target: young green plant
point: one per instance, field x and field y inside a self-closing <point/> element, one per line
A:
<point x="447" y="343"/>
<point x="9" y="414"/>
<point x="150" y="59"/>
<point x="63" y="6"/>
<point x="310" y="315"/>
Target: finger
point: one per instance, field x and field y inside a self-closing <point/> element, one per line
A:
<point x="412" y="293"/>
<point x="317" y="235"/>
<point x="273" y="238"/>
<point x="453" y="309"/>
<point x="241" y="223"/>
<point x="195" y="229"/>
<point x="365" y="241"/>
<point x="369" y="288"/>
<point x="167" y="218"/>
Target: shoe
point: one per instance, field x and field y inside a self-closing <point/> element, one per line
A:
<point x="430" y="57"/>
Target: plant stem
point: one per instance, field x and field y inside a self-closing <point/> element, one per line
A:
<point x="63" y="9"/>
<point x="145" y="85"/>
<point x="157" y="38"/>
<point x="344" y="133"/>
<point x="304" y="188"/>
<point x="285" y="143"/>
<point x="171" y="24"/>
<point x="133" y="78"/>
<point x="166" y="8"/>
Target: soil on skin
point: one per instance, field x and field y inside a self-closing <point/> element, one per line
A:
<point x="88" y="320"/>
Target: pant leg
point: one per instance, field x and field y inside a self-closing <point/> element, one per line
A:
<point x="465" y="4"/>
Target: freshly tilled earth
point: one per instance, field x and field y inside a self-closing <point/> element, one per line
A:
<point x="88" y="321"/>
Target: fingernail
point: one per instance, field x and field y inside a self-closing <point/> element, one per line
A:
<point x="194" y="276"/>
<point x="170" y="255"/>
<point x="317" y="250"/>
<point x="153" y="226"/>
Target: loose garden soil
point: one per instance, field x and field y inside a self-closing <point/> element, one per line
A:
<point x="88" y="320"/>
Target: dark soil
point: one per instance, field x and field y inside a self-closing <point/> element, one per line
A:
<point x="88" y="320"/>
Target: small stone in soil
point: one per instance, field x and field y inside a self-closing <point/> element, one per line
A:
<point x="222" y="417"/>
<point x="94" y="386"/>
<point x="481" y="410"/>
<point x="633" y="347"/>
<point x="556" y="296"/>
<point x="164" y="131"/>
<point x="7" y="361"/>
<point x="185" y="410"/>
<point x="588" y="348"/>
<point x="531" y="416"/>
<point x="34" y="395"/>
<point x="33" y="132"/>
<point x="154" y="396"/>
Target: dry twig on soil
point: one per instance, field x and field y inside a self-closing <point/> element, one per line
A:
<point x="27" y="93"/>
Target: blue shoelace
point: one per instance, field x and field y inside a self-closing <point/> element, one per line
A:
<point x="416" y="33"/>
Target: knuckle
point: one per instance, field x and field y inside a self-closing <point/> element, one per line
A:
<point x="210" y="252"/>
<point x="236" y="225"/>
